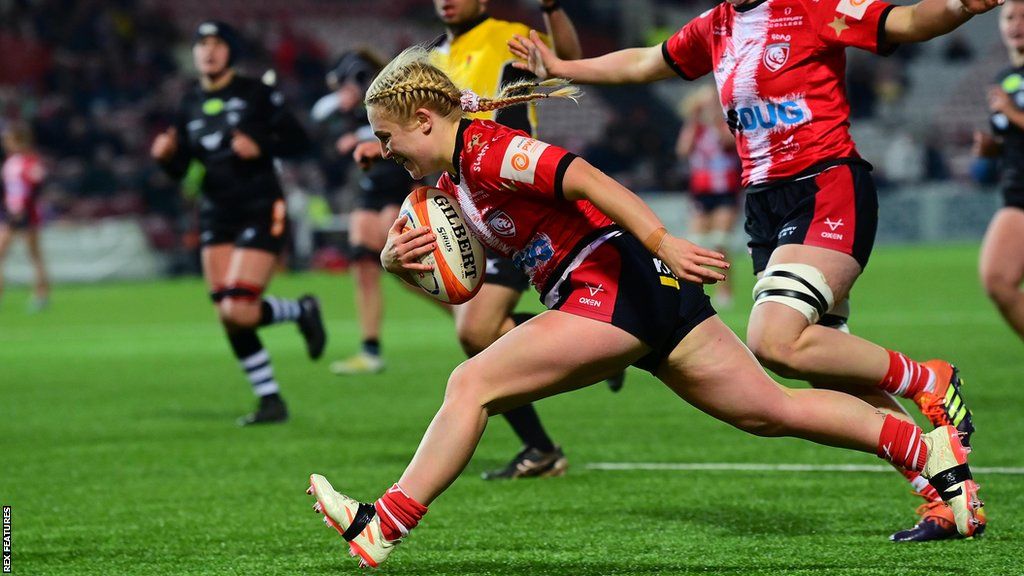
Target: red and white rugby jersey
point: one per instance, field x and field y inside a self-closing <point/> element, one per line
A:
<point x="509" y="186"/>
<point x="22" y="175"/>
<point x="780" y="67"/>
<point x="714" y="169"/>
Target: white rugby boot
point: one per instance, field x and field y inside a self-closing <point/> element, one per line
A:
<point x="356" y="521"/>
<point x="946" y="469"/>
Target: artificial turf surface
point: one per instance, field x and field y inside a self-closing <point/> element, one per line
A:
<point x="119" y="453"/>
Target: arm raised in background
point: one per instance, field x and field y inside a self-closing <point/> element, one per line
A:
<point x="687" y="139"/>
<point x="686" y="260"/>
<point x="561" y="30"/>
<point x="629" y="66"/>
<point x="931" y="18"/>
<point x="999" y="101"/>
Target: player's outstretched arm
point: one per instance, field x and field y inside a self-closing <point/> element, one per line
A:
<point x="930" y="18"/>
<point x="561" y="30"/>
<point x="629" y="66"/>
<point x="687" y="260"/>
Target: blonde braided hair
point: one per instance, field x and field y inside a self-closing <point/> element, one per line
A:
<point x="411" y="81"/>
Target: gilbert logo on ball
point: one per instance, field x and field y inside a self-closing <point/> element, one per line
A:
<point x="458" y="258"/>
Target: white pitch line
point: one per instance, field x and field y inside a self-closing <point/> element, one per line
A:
<point x="732" y="466"/>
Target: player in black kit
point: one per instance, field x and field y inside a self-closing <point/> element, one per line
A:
<point x="1002" y="253"/>
<point x="381" y="190"/>
<point x="235" y="126"/>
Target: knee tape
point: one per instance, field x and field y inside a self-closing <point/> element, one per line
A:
<point x="217" y="294"/>
<point x="799" y="286"/>
<point x="238" y="291"/>
<point x="838" y="316"/>
<point x="359" y="252"/>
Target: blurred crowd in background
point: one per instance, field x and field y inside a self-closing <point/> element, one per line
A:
<point x="97" y="80"/>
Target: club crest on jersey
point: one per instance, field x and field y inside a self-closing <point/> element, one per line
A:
<point x="776" y="56"/>
<point x="502" y="224"/>
<point x="521" y="158"/>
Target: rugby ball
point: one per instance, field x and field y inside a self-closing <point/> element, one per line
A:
<point x="458" y="258"/>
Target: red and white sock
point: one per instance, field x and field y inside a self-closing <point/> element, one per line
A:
<point x="399" y="513"/>
<point x="900" y="443"/>
<point x="907" y="378"/>
<point x="921" y="486"/>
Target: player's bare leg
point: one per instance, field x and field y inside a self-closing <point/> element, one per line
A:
<point x="723" y="223"/>
<point x="236" y="278"/>
<point x="557" y="352"/>
<point x="1002" y="265"/>
<point x="526" y="364"/>
<point x="41" y="291"/>
<point x="6" y="235"/>
<point x="785" y="340"/>
<point x="248" y="267"/>
<point x="368" y="232"/>
<point x="485" y="318"/>
<point x="478" y="324"/>
<point x="712" y="373"/>
<point x="700" y="222"/>
<point x="698" y="230"/>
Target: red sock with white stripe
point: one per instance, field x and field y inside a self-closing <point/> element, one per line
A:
<point x="900" y="443"/>
<point x="399" y="513"/>
<point x="907" y="378"/>
<point x="921" y="486"/>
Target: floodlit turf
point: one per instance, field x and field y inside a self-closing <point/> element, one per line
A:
<point x="119" y="453"/>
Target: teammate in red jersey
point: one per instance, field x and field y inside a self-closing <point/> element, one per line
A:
<point x="23" y="175"/>
<point x="812" y="207"/>
<point x="613" y="300"/>
<point x="708" y="146"/>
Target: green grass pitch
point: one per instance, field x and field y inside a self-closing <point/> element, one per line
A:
<point x="119" y="453"/>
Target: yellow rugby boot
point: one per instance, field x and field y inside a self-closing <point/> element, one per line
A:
<point x="361" y="363"/>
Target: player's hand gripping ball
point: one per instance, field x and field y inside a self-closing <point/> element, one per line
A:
<point x="457" y="259"/>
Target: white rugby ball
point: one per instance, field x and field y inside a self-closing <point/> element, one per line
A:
<point x="458" y="258"/>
